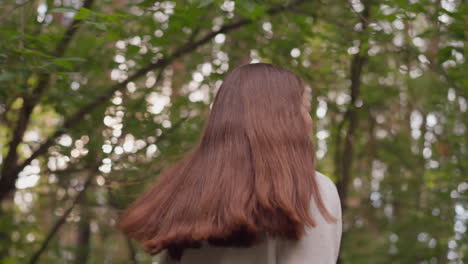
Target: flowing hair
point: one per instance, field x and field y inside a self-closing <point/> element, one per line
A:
<point x="251" y="173"/>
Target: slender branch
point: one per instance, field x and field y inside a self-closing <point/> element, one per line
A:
<point x="7" y="13"/>
<point x="440" y="70"/>
<point x="10" y="167"/>
<point x="71" y="30"/>
<point x="59" y="223"/>
<point x="80" y="114"/>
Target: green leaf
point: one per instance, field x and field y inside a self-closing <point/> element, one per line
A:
<point x="62" y="10"/>
<point x="204" y="3"/>
<point x="83" y="13"/>
<point x="67" y="62"/>
<point x="5" y="76"/>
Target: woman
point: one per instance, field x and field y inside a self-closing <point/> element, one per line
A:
<point x="248" y="192"/>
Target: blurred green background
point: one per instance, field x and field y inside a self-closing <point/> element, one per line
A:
<point x="98" y="96"/>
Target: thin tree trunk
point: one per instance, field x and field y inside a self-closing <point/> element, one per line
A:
<point x="83" y="235"/>
<point x="131" y="252"/>
<point x="351" y="116"/>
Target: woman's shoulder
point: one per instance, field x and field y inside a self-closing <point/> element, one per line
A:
<point x="320" y="243"/>
<point x="326" y="183"/>
<point x="329" y="193"/>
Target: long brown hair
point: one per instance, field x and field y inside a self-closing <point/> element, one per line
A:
<point x="252" y="172"/>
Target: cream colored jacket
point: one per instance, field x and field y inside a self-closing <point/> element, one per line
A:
<point x="320" y="245"/>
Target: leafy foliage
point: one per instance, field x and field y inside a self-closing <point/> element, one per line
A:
<point x="98" y="97"/>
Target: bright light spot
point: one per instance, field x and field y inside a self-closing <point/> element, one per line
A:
<point x="342" y="98"/>
<point x="398" y="24"/>
<point x="267" y="26"/>
<point x="462" y="103"/>
<point x="65" y="140"/>
<point x="432" y="243"/>
<point x="151" y="150"/>
<point x="206" y="69"/>
<point x="197" y="76"/>
<point x="196" y="96"/>
<point x="129" y="143"/>
<point x="381" y="133"/>
<point x="166" y="124"/>
<point x="115" y="74"/>
<point x="373" y="50"/>
<point x="321" y="109"/>
<point x="431" y="120"/>
<point x="106" y="165"/>
<point x="416" y="120"/>
<point x="418" y="42"/>
<point x="415" y="73"/>
<point x="30" y="237"/>
<point x="451" y="95"/>
<point x="423" y="59"/>
<point x="462" y="187"/>
<point x="158" y="33"/>
<point x="254" y="57"/>
<point x="117" y="100"/>
<point x="150" y="82"/>
<point x="107" y="148"/>
<point x="75" y="86"/>
<point x="157" y="102"/>
<point x="29" y="176"/>
<point x="160" y="16"/>
<point x="228" y="6"/>
<point x="75" y="153"/>
<point x="427" y="153"/>
<point x="224" y="67"/>
<point x="120" y="44"/>
<point x="100" y="180"/>
<point x="220" y="38"/>
<point x="42" y="8"/>
<point x="295" y="53"/>
<point x="116" y="133"/>
<point x="23" y="199"/>
<point x="110" y="121"/>
<point x="105" y="168"/>
<point x="422" y="237"/>
<point x="118" y="150"/>
<point x="31" y="136"/>
<point x="193" y="85"/>
<point x="444" y="18"/>
<point x="357" y="5"/>
<point x="322" y="134"/>
<point x="353" y="50"/>
<point x="135" y="41"/>
<point x="119" y="58"/>
<point x="27" y="181"/>
<point x="131" y="87"/>
<point x="357" y="182"/>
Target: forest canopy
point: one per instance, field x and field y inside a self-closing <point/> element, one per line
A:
<point x="98" y="97"/>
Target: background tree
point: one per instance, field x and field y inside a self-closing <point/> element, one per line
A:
<point x="97" y="97"/>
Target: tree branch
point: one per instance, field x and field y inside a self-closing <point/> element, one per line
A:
<point x="351" y="116"/>
<point x="59" y="223"/>
<point x="11" y="175"/>
<point x="9" y="169"/>
<point x="7" y="13"/>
